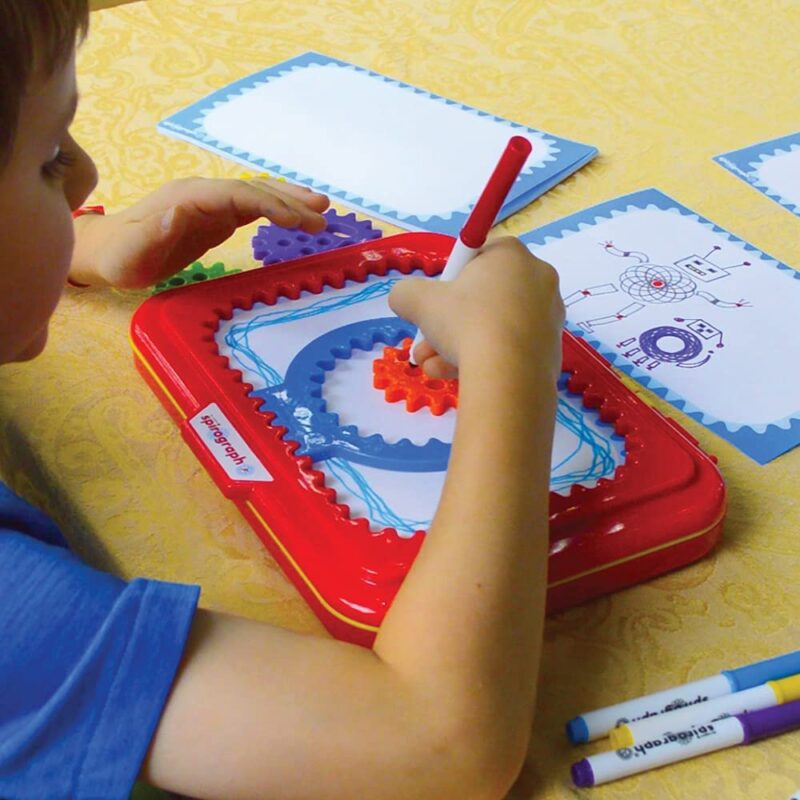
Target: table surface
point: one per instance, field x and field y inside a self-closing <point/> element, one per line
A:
<point x="660" y="87"/>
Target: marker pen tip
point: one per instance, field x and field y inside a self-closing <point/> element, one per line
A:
<point x="620" y="737"/>
<point x="577" y="732"/>
<point x="582" y="774"/>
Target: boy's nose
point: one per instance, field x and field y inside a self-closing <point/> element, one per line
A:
<point x="82" y="178"/>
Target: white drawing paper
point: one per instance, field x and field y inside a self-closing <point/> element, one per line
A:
<point x="699" y="316"/>
<point x="380" y="145"/>
<point x="772" y="167"/>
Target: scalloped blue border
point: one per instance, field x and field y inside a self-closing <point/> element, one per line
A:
<point x="743" y="164"/>
<point x="187" y="124"/>
<point x="761" y="442"/>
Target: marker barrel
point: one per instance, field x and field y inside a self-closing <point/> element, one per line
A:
<point x="596" y="724"/>
<point x="459" y="257"/>
<point x="668" y="749"/>
<point x="683" y="718"/>
<point x="768" y="694"/>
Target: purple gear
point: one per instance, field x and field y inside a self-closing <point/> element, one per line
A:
<point x="273" y="244"/>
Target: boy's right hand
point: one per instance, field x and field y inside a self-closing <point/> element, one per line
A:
<point x="505" y="300"/>
<point x="176" y="224"/>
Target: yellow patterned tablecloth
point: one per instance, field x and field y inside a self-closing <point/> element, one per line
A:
<point x="659" y="86"/>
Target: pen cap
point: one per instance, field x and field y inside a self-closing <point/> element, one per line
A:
<point x="770" y="670"/>
<point x="486" y="209"/>
<point x="770" y="721"/>
<point x="582" y="774"/>
<point x="787" y="689"/>
<point x="577" y="730"/>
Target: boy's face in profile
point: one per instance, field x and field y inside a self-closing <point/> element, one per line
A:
<point x="45" y="177"/>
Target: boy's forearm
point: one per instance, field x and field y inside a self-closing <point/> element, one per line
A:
<point x="469" y="614"/>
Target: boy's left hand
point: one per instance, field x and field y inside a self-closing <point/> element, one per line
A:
<point x="178" y="223"/>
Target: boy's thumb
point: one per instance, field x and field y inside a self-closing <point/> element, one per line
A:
<point x="149" y="247"/>
<point x="159" y="229"/>
<point x="167" y="220"/>
<point x="167" y="229"/>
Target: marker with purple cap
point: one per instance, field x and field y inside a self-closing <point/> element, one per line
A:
<point x="696" y="741"/>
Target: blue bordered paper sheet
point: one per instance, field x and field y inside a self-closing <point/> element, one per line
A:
<point x="772" y="167"/>
<point x="270" y="344"/>
<point x="384" y="147"/>
<point x="694" y="313"/>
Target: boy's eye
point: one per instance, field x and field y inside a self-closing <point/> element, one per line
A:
<point x="59" y="164"/>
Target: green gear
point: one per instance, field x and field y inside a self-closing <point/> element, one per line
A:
<point x="194" y="273"/>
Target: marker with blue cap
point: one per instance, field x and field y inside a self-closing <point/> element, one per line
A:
<point x="596" y="724"/>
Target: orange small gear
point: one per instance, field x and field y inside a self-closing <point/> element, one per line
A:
<point x="403" y="381"/>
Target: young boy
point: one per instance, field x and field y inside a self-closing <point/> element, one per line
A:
<point x="104" y="681"/>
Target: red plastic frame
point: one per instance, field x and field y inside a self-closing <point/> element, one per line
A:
<point x="664" y="507"/>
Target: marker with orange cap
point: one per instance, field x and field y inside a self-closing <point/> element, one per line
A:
<point x="771" y="693"/>
<point x="473" y="235"/>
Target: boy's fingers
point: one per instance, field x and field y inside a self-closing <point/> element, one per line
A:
<point x="238" y="203"/>
<point x="418" y="301"/>
<point x="423" y="352"/>
<point x="252" y="202"/>
<point x="218" y="202"/>
<point x="437" y="366"/>
<point x="313" y="200"/>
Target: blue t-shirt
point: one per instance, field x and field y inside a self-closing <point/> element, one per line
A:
<point x="86" y="664"/>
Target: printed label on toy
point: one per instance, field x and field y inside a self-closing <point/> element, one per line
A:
<point x="227" y="446"/>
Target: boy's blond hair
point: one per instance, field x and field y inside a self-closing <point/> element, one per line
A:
<point x="35" y="36"/>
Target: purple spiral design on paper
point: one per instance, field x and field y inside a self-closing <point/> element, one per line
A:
<point x="652" y="283"/>
<point x="692" y="346"/>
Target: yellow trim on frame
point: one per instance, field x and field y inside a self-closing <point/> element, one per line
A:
<point x="641" y="554"/>
<point x="361" y="625"/>
<point x="158" y="380"/>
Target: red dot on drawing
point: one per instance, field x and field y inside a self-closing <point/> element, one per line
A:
<point x="658" y="283"/>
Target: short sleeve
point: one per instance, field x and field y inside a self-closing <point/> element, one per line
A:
<point x="86" y="664"/>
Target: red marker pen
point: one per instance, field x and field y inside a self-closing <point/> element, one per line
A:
<point x="473" y="235"/>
